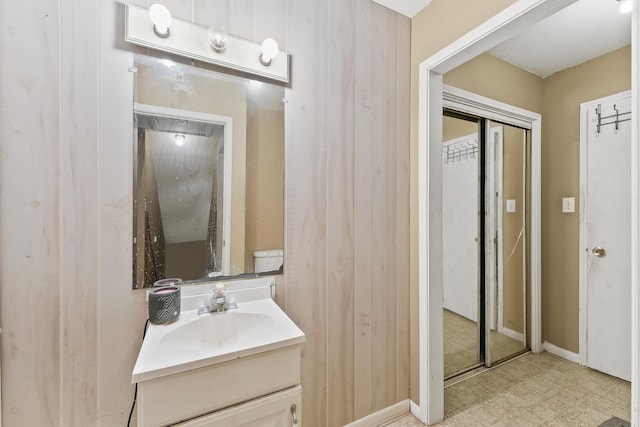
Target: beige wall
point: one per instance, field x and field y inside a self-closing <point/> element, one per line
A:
<point x="455" y="128"/>
<point x="265" y="181"/>
<point x="433" y="29"/>
<point x="563" y="93"/>
<point x="494" y="78"/>
<point x="513" y="267"/>
<point x="72" y="325"/>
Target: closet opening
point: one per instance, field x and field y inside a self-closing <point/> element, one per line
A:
<point x="486" y="188"/>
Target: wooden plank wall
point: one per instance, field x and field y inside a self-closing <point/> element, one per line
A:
<point x="346" y="261"/>
<point x="29" y="220"/>
<point x="71" y="325"/>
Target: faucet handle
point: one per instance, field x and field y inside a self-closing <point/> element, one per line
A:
<point x="219" y="288"/>
<point x="218" y="298"/>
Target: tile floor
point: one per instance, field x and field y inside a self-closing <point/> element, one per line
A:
<point x="533" y="390"/>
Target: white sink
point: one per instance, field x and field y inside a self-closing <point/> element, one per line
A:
<point x="218" y="330"/>
<point x="195" y="341"/>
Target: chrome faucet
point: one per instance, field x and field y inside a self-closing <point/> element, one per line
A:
<point x="218" y="302"/>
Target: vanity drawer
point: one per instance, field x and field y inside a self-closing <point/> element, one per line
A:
<point x="189" y="394"/>
<point x="274" y="410"/>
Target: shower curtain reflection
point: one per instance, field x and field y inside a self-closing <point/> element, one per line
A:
<point x="178" y="203"/>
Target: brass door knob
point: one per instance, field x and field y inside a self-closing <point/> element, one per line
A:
<point x="598" y="251"/>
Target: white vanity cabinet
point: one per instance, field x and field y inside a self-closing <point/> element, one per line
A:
<point x="237" y="368"/>
<point x="278" y="409"/>
<point x="243" y="392"/>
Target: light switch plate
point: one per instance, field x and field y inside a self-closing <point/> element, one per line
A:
<point x="568" y="204"/>
<point x="511" y="205"/>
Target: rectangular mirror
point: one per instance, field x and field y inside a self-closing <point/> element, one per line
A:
<point x="208" y="177"/>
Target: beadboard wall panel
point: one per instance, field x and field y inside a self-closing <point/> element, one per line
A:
<point x="341" y="212"/>
<point x="65" y="192"/>
<point x="79" y="212"/>
<point x="347" y="205"/>
<point x="121" y="310"/>
<point x="306" y="206"/>
<point x="30" y="212"/>
<point x="403" y="195"/>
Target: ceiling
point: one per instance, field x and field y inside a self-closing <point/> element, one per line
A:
<point x="405" y="7"/>
<point x="582" y="31"/>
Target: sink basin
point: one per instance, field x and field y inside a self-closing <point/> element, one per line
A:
<point x="195" y="341"/>
<point x="216" y="330"/>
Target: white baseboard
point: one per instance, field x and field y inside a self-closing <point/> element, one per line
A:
<point x="519" y="336"/>
<point x="561" y="352"/>
<point x="382" y="416"/>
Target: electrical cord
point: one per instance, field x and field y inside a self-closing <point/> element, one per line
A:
<point x="515" y="245"/>
<point x="135" y="392"/>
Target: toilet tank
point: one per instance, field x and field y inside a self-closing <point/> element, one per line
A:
<point x="267" y="260"/>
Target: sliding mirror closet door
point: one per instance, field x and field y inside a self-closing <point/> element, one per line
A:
<point x="485" y="202"/>
<point x="460" y="232"/>
<point x="506" y="246"/>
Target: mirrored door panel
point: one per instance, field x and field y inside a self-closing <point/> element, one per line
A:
<point x="460" y="192"/>
<point x="506" y="244"/>
<point x="485" y="192"/>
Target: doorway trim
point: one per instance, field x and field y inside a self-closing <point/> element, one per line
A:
<point x="499" y="28"/>
<point x="584" y="256"/>
<point x="227" y="123"/>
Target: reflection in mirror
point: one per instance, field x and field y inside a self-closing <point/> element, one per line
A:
<point x="508" y="183"/>
<point x="460" y="204"/>
<point x="208" y="174"/>
<point x="485" y="208"/>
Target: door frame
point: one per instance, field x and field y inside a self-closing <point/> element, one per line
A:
<point x="227" y="123"/>
<point x="431" y="407"/>
<point x="584" y="256"/>
<point x="499" y="28"/>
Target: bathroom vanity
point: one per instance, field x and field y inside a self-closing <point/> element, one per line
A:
<point x="240" y="367"/>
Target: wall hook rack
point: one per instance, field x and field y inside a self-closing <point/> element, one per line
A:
<point x="618" y="119"/>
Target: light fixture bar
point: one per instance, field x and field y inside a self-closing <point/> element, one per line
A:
<point x="192" y="41"/>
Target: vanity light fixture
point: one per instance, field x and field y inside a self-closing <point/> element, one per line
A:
<point x="179" y="139"/>
<point x="218" y="39"/>
<point x="625" y="5"/>
<point x="207" y="44"/>
<point x="269" y="51"/>
<point x="161" y="18"/>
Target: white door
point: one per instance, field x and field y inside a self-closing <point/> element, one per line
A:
<point x="460" y="226"/>
<point x="605" y="235"/>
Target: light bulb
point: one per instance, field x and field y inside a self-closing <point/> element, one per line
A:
<point x="269" y="51"/>
<point x="626" y="6"/>
<point x="218" y="39"/>
<point x="179" y="139"/>
<point x="161" y="18"/>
